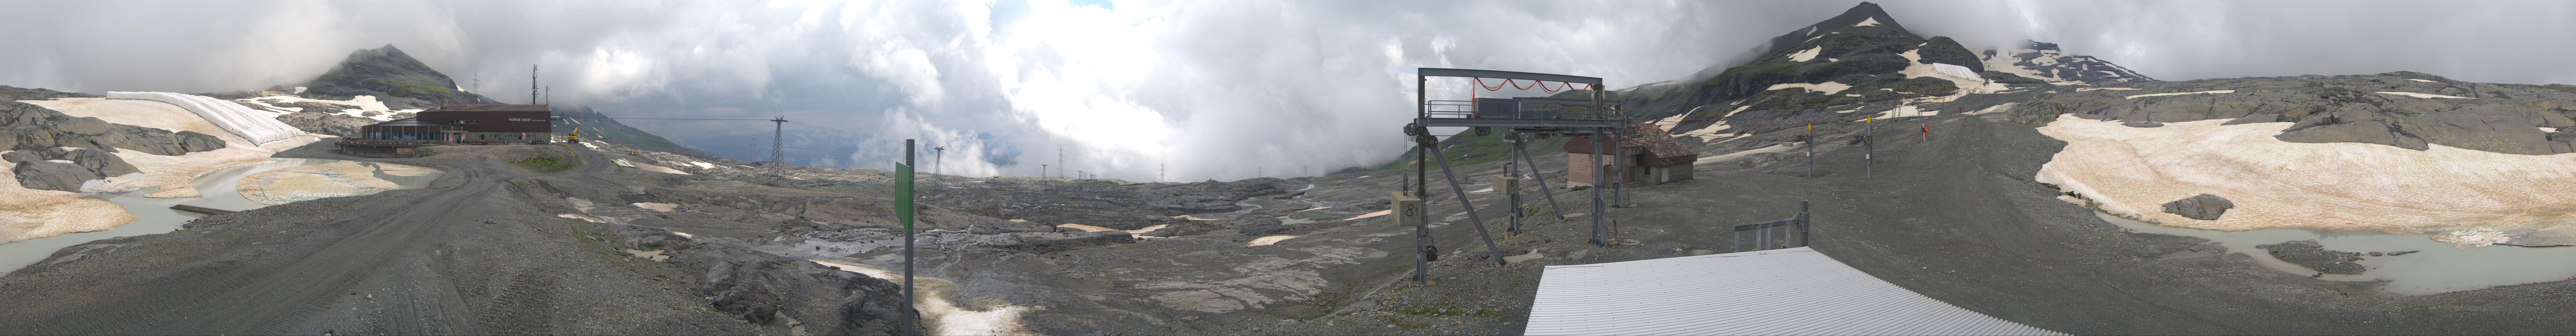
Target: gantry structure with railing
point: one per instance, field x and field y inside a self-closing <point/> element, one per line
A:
<point x="1521" y="119"/>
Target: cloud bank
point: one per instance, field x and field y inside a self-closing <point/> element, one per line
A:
<point x="1173" y="91"/>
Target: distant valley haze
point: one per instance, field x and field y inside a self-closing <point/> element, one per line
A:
<point x="1175" y="91"/>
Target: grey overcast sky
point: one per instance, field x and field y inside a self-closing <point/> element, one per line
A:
<point x="1213" y="89"/>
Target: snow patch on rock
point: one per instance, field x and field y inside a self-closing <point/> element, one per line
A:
<point x="1803" y="56"/>
<point x="1268" y="240"/>
<point x="1825" y="87"/>
<point x="944" y="317"/>
<point x="2421" y="95"/>
<point x="2179" y="93"/>
<point x="2472" y="197"/>
<point x="1956" y="71"/>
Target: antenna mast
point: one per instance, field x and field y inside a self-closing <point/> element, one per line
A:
<point x="532" y="83"/>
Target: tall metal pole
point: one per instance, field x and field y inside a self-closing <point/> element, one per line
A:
<point x="1869" y="149"/>
<point x="1509" y="160"/>
<point x="935" y="154"/>
<point x="1597" y="185"/>
<point x="1811" y="150"/>
<point x="1597" y="175"/>
<point x="1802" y="222"/>
<point x="1619" y="145"/>
<point x="532" y="83"/>
<point x="903" y="211"/>
<point x="1422" y="249"/>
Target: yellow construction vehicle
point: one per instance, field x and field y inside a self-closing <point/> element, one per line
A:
<point x="574" y="137"/>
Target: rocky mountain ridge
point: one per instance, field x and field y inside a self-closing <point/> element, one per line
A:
<point x="389" y="74"/>
<point x="2043" y="61"/>
<point x="1861" y="55"/>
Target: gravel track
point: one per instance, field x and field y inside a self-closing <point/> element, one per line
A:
<point x="466" y="255"/>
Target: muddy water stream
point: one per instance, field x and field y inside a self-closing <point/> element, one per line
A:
<point x="2438" y="268"/>
<point x="217" y="190"/>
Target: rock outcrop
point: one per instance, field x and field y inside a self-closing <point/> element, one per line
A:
<point x="2307" y="253"/>
<point x="1941" y="49"/>
<point x="27" y="126"/>
<point x="1061" y="241"/>
<point x="769" y="289"/>
<point x="2201" y="207"/>
<point x="96" y="161"/>
<point x="320" y="118"/>
<point x="49" y="175"/>
<point x="8" y="93"/>
<point x="37" y="169"/>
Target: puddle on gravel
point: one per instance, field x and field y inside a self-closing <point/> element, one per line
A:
<point x="154" y="216"/>
<point x="2438" y="268"/>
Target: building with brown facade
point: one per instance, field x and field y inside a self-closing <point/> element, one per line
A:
<point x="494" y="123"/>
<point x="1647" y="158"/>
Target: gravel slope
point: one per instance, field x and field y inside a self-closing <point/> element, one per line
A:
<point x="423" y="261"/>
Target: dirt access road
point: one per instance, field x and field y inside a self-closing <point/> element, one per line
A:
<point x="466" y="255"/>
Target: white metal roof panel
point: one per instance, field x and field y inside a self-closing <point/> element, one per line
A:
<point x="1794" y="291"/>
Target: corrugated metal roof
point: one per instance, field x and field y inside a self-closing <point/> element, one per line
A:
<point x="1794" y="291"/>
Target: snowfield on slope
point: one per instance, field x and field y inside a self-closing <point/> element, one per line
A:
<point x="259" y="128"/>
<point x="172" y="175"/>
<point x="2463" y="197"/>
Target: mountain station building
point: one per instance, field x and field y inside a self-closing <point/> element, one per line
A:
<point x="494" y="123"/>
<point x="452" y="124"/>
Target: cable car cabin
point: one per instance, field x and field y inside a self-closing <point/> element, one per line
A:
<point x="494" y="123"/>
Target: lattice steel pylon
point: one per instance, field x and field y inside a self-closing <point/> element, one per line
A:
<point x="777" y="137"/>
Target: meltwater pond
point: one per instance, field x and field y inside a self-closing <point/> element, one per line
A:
<point x="2437" y="268"/>
<point x="153" y="215"/>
